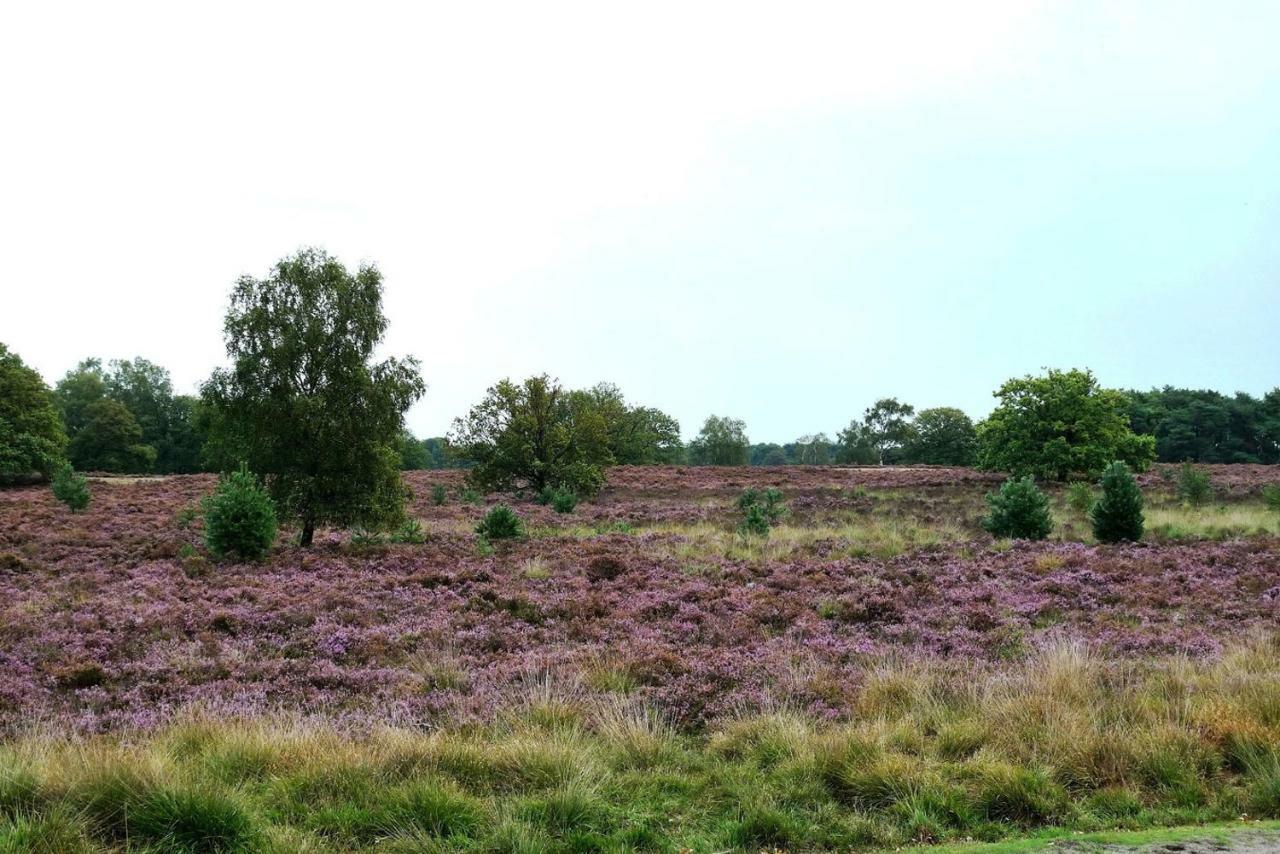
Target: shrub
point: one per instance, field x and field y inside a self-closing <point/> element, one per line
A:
<point x="70" y="488"/>
<point x="1118" y="514"/>
<point x="1079" y="496"/>
<point x="469" y="496"/>
<point x="1193" y="485"/>
<point x="1020" y="511"/>
<point x="239" y="517"/>
<point x="564" y="500"/>
<point x="500" y="523"/>
<point x="410" y="532"/>
<point x="438" y="495"/>
<point x="761" y="511"/>
<point x="1271" y="495"/>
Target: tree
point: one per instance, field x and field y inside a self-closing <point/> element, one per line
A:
<point x="413" y="453"/>
<point x="813" y="449"/>
<point x="1118" y="514"/>
<point x="721" y="442"/>
<point x="1019" y="510"/>
<point x="32" y="440"/>
<point x="77" y="390"/>
<point x="887" y="426"/>
<point x="239" y="518"/>
<point x="1059" y="425"/>
<point x="853" y="446"/>
<point x="944" y="436"/>
<point x="303" y="404"/>
<point x="637" y="435"/>
<point x="110" y="440"/>
<point x="533" y="435"/>
<point x="181" y="449"/>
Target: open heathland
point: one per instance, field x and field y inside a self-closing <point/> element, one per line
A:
<point x="637" y="673"/>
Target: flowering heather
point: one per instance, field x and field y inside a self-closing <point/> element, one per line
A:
<point x="111" y="619"/>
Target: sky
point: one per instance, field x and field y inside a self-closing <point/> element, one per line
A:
<point x="776" y="212"/>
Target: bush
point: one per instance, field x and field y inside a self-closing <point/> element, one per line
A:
<point x="1193" y="485"/>
<point x="1118" y="514"/>
<point x="761" y="511"/>
<point x="1020" y="511"/>
<point x="501" y="523"/>
<point x="564" y="501"/>
<point x="1271" y="495"/>
<point x="70" y="488"/>
<point x="239" y="517"/>
<point x="438" y="495"/>
<point x="410" y="532"/>
<point x="1079" y="496"/>
<point x="561" y="498"/>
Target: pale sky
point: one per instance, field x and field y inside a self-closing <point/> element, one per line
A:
<point x="775" y="212"/>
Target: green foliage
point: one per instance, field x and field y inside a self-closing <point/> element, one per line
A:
<point x="1193" y="485"/>
<point x="1060" y="424"/>
<point x="439" y="494"/>
<point x="944" y="436"/>
<point x="767" y="454"/>
<point x="409" y="533"/>
<point x="721" y="442"/>
<point x="1080" y="496"/>
<point x="564" y="500"/>
<point x="1271" y="495"/>
<point x="501" y="523"/>
<point x="110" y="440"/>
<point x="419" y="454"/>
<point x="70" y="488"/>
<point x="1208" y="427"/>
<point x="303" y="404"/>
<point x="853" y="446"/>
<point x="760" y="511"/>
<point x="32" y="440"/>
<point x="1019" y="511"/>
<point x="635" y="435"/>
<point x="887" y="426"/>
<point x="239" y="517"/>
<point x="469" y="496"/>
<point x="814" y="449"/>
<point x="1118" y="514"/>
<point x="531" y="435"/>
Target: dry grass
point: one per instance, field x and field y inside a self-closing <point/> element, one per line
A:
<point x="1062" y="739"/>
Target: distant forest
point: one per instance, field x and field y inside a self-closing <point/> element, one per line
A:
<point x="124" y="416"/>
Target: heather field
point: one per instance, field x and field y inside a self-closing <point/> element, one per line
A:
<point x="636" y="675"/>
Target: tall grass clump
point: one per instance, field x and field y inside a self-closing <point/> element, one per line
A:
<point x="1019" y="511"/>
<point x="1079" y="496"/>
<point x="1193" y="485"/>
<point x="1117" y="516"/>
<point x="70" y="488"/>
<point x="239" y="517"/>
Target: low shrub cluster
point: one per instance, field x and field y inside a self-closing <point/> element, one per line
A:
<point x="500" y="523"/>
<point x="1117" y="516"/>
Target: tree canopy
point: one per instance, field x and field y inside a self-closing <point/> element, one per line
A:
<point x="1207" y="426"/>
<point x="887" y="426"/>
<point x="721" y="442"/>
<point x="1059" y="425"/>
<point x="533" y="435"/>
<point x="303" y="404"/>
<point x="943" y="436"/>
<point x="32" y="440"/>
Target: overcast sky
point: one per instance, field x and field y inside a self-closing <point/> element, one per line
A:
<point x="776" y="212"/>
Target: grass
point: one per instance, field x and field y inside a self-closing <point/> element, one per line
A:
<point x="1062" y="743"/>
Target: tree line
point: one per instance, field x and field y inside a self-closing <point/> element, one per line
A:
<point x="303" y="405"/>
